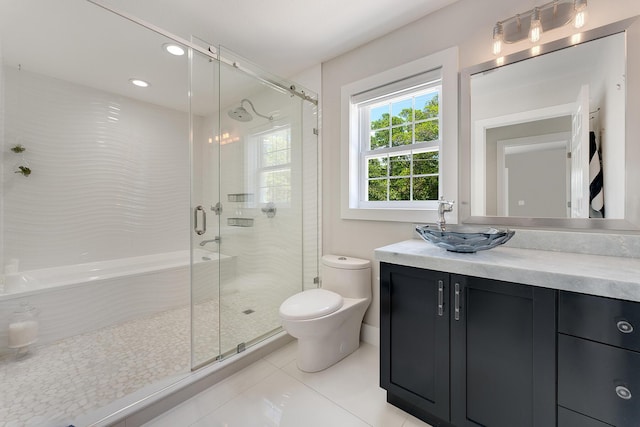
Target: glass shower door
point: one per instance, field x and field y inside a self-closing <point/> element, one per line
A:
<point x="206" y="259"/>
<point x="261" y="186"/>
<point x="254" y="203"/>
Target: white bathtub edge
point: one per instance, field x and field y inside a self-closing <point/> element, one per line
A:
<point x="83" y="274"/>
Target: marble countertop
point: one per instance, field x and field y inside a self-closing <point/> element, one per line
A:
<point x="608" y="276"/>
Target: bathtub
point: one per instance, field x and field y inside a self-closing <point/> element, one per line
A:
<point x="33" y="281"/>
<point x="75" y="299"/>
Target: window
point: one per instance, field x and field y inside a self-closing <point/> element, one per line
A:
<point x="400" y="141"/>
<point x="399" y="145"/>
<point x="274" y="164"/>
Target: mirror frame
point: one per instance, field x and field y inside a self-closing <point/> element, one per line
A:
<point x="631" y="221"/>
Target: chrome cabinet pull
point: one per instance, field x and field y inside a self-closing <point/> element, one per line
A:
<point x="440" y="298"/>
<point x="623" y="392"/>
<point x="456" y="308"/>
<point x="199" y="232"/>
<point x="624" y="327"/>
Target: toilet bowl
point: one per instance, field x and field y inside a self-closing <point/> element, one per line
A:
<point x="326" y="321"/>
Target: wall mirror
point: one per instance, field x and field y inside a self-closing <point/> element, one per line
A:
<point x="547" y="134"/>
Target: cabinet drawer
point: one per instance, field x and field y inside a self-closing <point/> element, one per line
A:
<point x="599" y="380"/>
<point x="567" y="418"/>
<point x="600" y="319"/>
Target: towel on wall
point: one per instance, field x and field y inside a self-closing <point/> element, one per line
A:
<point x="596" y="190"/>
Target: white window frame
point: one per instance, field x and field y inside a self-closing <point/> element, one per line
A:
<point x="366" y="153"/>
<point x="257" y="143"/>
<point x="353" y="168"/>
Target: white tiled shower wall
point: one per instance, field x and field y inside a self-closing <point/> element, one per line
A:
<point x="110" y="175"/>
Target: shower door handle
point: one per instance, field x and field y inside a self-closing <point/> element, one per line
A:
<point x="199" y="232"/>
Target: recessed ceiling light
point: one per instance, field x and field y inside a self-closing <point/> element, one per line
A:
<point x="139" y="83"/>
<point x="173" y="49"/>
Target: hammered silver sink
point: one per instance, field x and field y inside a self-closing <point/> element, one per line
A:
<point x="464" y="238"/>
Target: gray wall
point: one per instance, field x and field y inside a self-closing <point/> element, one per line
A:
<point x="467" y="24"/>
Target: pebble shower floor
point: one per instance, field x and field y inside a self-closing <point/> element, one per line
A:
<point x="81" y="374"/>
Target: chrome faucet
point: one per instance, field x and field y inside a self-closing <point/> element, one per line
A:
<point x="216" y="239"/>
<point x="443" y="207"/>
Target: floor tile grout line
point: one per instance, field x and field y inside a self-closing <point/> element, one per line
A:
<point x="324" y="396"/>
<point x="235" y="396"/>
<point x="327" y="398"/>
<point x="282" y="370"/>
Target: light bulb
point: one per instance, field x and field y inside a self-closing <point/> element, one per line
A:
<point x="173" y="49"/>
<point x="498" y="38"/>
<point x="535" y="30"/>
<point x="139" y="82"/>
<point x="580" y="17"/>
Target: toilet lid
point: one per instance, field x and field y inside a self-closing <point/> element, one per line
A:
<point x="310" y="304"/>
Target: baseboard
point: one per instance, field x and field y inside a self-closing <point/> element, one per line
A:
<point x="370" y="334"/>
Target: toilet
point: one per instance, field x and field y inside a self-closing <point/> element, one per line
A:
<point x="326" y="321"/>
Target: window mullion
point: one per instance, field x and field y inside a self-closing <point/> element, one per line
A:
<point x="388" y="178"/>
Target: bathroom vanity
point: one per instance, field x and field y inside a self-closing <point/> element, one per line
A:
<point x="510" y="337"/>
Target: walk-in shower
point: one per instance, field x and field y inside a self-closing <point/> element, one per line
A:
<point x="157" y="231"/>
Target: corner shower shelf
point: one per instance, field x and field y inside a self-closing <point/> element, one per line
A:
<point x="240" y="197"/>
<point x="240" y="222"/>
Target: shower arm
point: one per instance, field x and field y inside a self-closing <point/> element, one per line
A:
<point x="254" y="109"/>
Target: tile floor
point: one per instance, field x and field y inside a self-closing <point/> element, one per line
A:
<point x="273" y="392"/>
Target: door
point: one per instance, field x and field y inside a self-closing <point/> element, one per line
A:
<point x="414" y="331"/>
<point x="254" y="201"/>
<point x="268" y="187"/>
<point x="503" y="354"/>
<point x="207" y="262"/>
<point x="254" y="197"/>
<point x="580" y="156"/>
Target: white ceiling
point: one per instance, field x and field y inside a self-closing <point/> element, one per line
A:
<point x="283" y="36"/>
<point x="79" y="42"/>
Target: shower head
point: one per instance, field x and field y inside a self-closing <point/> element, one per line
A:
<point x="242" y="115"/>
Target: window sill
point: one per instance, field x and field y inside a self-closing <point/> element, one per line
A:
<point x="419" y="216"/>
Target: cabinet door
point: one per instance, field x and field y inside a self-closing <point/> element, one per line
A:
<point x="503" y="354"/>
<point x="414" y="343"/>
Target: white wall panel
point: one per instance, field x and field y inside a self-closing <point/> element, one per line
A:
<point x="110" y="175"/>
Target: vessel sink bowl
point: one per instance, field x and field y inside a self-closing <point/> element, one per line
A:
<point x="464" y="238"/>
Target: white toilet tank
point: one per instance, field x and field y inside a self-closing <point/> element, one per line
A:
<point x="347" y="276"/>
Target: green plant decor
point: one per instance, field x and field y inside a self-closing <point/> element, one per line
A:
<point x="24" y="170"/>
<point x="18" y="148"/>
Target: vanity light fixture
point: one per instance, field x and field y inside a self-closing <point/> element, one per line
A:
<point x="498" y="38"/>
<point x="139" y="83"/>
<point x="532" y="23"/>
<point x="535" y="28"/>
<point x="580" y="18"/>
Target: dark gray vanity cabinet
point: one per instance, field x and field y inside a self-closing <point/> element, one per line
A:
<point x="414" y="335"/>
<point x="503" y="353"/>
<point x="598" y="361"/>
<point x="465" y="351"/>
